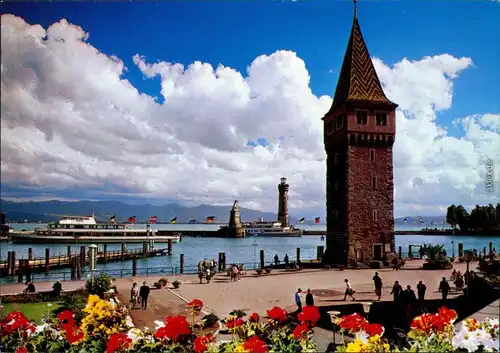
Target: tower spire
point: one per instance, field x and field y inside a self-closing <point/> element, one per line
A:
<point x="358" y="80"/>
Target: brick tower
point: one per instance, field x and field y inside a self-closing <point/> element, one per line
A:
<point x="359" y="132"/>
<point x="283" y="202"/>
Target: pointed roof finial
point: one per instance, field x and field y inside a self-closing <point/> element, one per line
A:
<point x="355" y="8"/>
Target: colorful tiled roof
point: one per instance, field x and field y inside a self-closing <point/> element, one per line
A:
<point x="358" y="80"/>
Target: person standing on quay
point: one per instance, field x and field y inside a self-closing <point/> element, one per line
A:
<point x="378" y="285"/>
<point x="444" y="288"/>
<point x="309" y="298"/>
<point x="144" y="293"/>
<point x="397" y="291"/>
<point x="298" y="300"/>
<point x="421" y="288"/>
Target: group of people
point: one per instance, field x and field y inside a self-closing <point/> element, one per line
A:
<point x="56" y="288"/>
<point x="294" y="265"/>
<point x="207" y="269"/>
<point x="139" y="295"/>
<point x="309" y="300"/>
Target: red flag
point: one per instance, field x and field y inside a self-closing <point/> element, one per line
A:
<point x="131" y="219"/>
<point x="153" y="219"/>
<point x="316" y="220"/>
<point x="210" y="219"/>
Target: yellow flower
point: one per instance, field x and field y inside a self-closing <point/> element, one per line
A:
<point x="239" y="349"/>
<point x="387" y="347"/>
<point x="356" y="346"/>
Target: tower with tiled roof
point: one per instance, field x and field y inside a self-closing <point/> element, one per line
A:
<point x="359" y="132"/>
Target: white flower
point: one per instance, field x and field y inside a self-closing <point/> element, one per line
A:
<point x="465" y="340"/>
<point x="362" y="336"/>
<point x="41" y="328"/>
<point x="134" y="334"/>
<point x="49" y="304"/>
<point x="159" y="324"/>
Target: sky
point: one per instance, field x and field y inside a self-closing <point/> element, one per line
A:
<point x="207" y="102"/>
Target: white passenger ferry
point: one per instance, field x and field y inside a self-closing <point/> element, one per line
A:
<point x="270" y="229"/>
<point x="85" y="229"/>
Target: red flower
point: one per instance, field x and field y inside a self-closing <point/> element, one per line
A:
<point x="175" y="327"/>
<point x="353" y="322"/>
<point x="277" y="314"/>
<point x="254" y="317"/>
<point x="301" y="331"/>
<point x="429" y="323"/>
<point x="73" y="334"/>
<point x="66" y="317"/>
<point x="15" y="321"/>
<point x="21" y="350"/>
<point x="235" y="323"/>
<point x="118" y="342"/>
<point x="195" y="305"/>
<point x="448" y="315"/>
<point x="200" y="343"/>
<point x="309" y="315"/>
<point x="255" y="345"/>
<point x="373" y="329"/>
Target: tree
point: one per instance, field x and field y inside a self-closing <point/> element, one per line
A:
<point x="451" y="216"/>
<point x="462" y="217"/>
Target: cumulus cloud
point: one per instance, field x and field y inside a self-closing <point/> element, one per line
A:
<point x="71" y="119"/>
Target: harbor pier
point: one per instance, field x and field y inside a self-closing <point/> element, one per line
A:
<point x="13" y="266"/>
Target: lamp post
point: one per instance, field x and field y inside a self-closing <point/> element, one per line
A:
<point x="366" y="308"/>
<point x="334" y="316"/>
<point x="254" y="244"/>
<point x="468" y="259"/>
<point x="92" y="262"/>
<point x="453" y="242"/>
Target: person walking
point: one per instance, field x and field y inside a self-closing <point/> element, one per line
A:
<point x="444" y="288"/>
<point x="349" y="291"/>
<point x="298" y="300"/>
<point x="378" y="285"/>
<point x="134" y="295"/>
<point x="421" y="288"/>
<point x="144" y="293"/>
<point x="309" y="298"/>
<point x="397" y="291"/>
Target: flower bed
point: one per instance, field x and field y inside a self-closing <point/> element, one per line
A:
<point x="428" y="333"/>
<point x="104" y="329"/>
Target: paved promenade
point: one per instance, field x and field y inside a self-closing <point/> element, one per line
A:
<point x="259" y="293"/>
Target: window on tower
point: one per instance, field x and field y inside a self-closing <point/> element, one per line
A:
<point x="329" y="127"/>
<point x="372" y="155"/>
<point x="362" y="117"/>
<point x="374" y="215"/>
<point x="340" y="122"/>
<point x="381" y="119"/>
<point x="374" y="182"/>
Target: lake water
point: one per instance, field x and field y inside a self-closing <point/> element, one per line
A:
<point x="245" y="250"/>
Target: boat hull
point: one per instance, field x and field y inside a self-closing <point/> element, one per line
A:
<point x="277" y="235"/>
<point x="68" y="239"/>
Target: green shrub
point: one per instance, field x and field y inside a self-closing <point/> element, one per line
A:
<point x="176" y="284"/>
<point x="209" y="320"/>
<point x="238" y="313"/>
<point x="163" y="281"/>
<point x="99" y="286"/>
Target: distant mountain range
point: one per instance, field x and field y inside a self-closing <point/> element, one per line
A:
<point x="47" y="211"/>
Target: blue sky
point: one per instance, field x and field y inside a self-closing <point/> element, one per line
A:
<point x="234" y="33"/>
